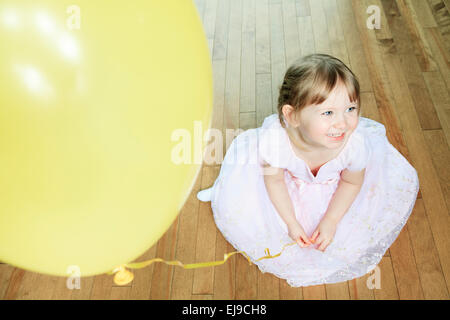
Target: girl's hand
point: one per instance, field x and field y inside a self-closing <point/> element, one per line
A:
<point x="297" y="233"/>
<point x="324" y="234"/>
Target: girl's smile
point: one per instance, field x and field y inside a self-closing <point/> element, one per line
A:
<point x="337" y="138"/>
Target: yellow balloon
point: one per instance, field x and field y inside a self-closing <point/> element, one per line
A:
<point x="91" y="93"/>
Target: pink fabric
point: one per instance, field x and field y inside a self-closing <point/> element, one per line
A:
<point x="296" y="188"/>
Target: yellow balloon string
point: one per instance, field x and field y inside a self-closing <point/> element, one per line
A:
<point x="123" y="276"/>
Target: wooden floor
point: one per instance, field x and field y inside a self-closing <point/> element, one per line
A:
<point x="404" y="70"/>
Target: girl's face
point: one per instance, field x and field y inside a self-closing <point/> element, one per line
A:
<point x="330" y="124"/>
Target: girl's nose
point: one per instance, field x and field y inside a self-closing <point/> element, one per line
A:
<point x="340" y="124"/>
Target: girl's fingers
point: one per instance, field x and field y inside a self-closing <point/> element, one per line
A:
<point x="314" y="235"/>
<point x="306" y="240"/>
<point x="300" y="243"/>
<point x="319" y="240"/>
<point x="324" y="245"/>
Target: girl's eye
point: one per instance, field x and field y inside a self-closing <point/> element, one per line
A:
<point x="328" y="113"/>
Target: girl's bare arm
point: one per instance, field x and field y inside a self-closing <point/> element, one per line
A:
<point x="346" y="192"/>
<point x="278" y="193"/>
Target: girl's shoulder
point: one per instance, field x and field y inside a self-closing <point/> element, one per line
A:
<point x="368" y="127"/>
<point x="271" y="133"/>
<point x="368" y="133"/>
<point x="273" y="148"/>
<point x="272" y="122"/>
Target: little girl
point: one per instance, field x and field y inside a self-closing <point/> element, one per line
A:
<point x="319" y="174"/>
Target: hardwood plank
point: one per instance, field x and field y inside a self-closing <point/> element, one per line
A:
<point x="206" y="235"/>
<point x="162" y="273"/>
<point x="441" y="100"/>
<point x="219" y="71"/>
<point x="290" y="293"/>
<point x="424" y="15"/>
<point x="380" y="83"/>
<point x="200" y="5"/>
<point x="306" y="36"/>
<point x="357" y="59"/>
<point x="404" y="266"/>
<point x="398" y="25"/>
<point x="302" y="8"/>
<point x="426" y="256"/>
<point x="45" y="287"/>
<point x="221" y="31"/>
<point x="101" y="287"/>
<point x="384" y="33"/>
<point x="263" y="98"/>
<point x="84" y="293"/>
<point x="419" y="39"/>
<point x="291" y="37"/>
<point x="441" y="53"/>
<point x="268" y="286"/>
<point x="317" y="292"/>
<point x="14" y="284"/>
<point x="120" y="293"/>
<point x="27" y="288"/>
<point x="248" y="64"/>
<point x="320" y="27"/>
<point x="210" y="46"/>
<point x="423" y="101"/>
<point x="277" y="51"/>
<point x="439" y="39"/>
<point x="210" y="19"/>
<point x="447" y="4"/>
<point x="6" y="272"/>
<point x="337" y="291"/>
<point x="142" y="282"/>
<point x="441" y="13"/>
<point x="246" y="279"/>
<point x="388" y="289"/>
<point x="233" y="68"/>
<point x="61" y="291"/>
<point x="248" y="16"/>
<point x="225" y="274"/>
<point x="335" y="33"/>
<point x="369" y="107"/>
<point x="262" y="33"/>
<point x="424" y="106"/>
<point x="438" y="149"/>
<point x="247" y="120"/>
<point x="186" y="244"/>
<point x="201" y="297"/>
<point x="359" y="290"/>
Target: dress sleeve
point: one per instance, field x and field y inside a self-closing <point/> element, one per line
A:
<point x="271" y="147"/>
<point x="359" y="152"/>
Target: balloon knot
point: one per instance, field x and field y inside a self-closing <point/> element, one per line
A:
<point x="123" y="276"/>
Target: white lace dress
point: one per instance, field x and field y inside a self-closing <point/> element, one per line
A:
<point x="248" y="220"/>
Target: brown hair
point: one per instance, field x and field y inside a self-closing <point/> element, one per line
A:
<point x="310" y="80"/>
